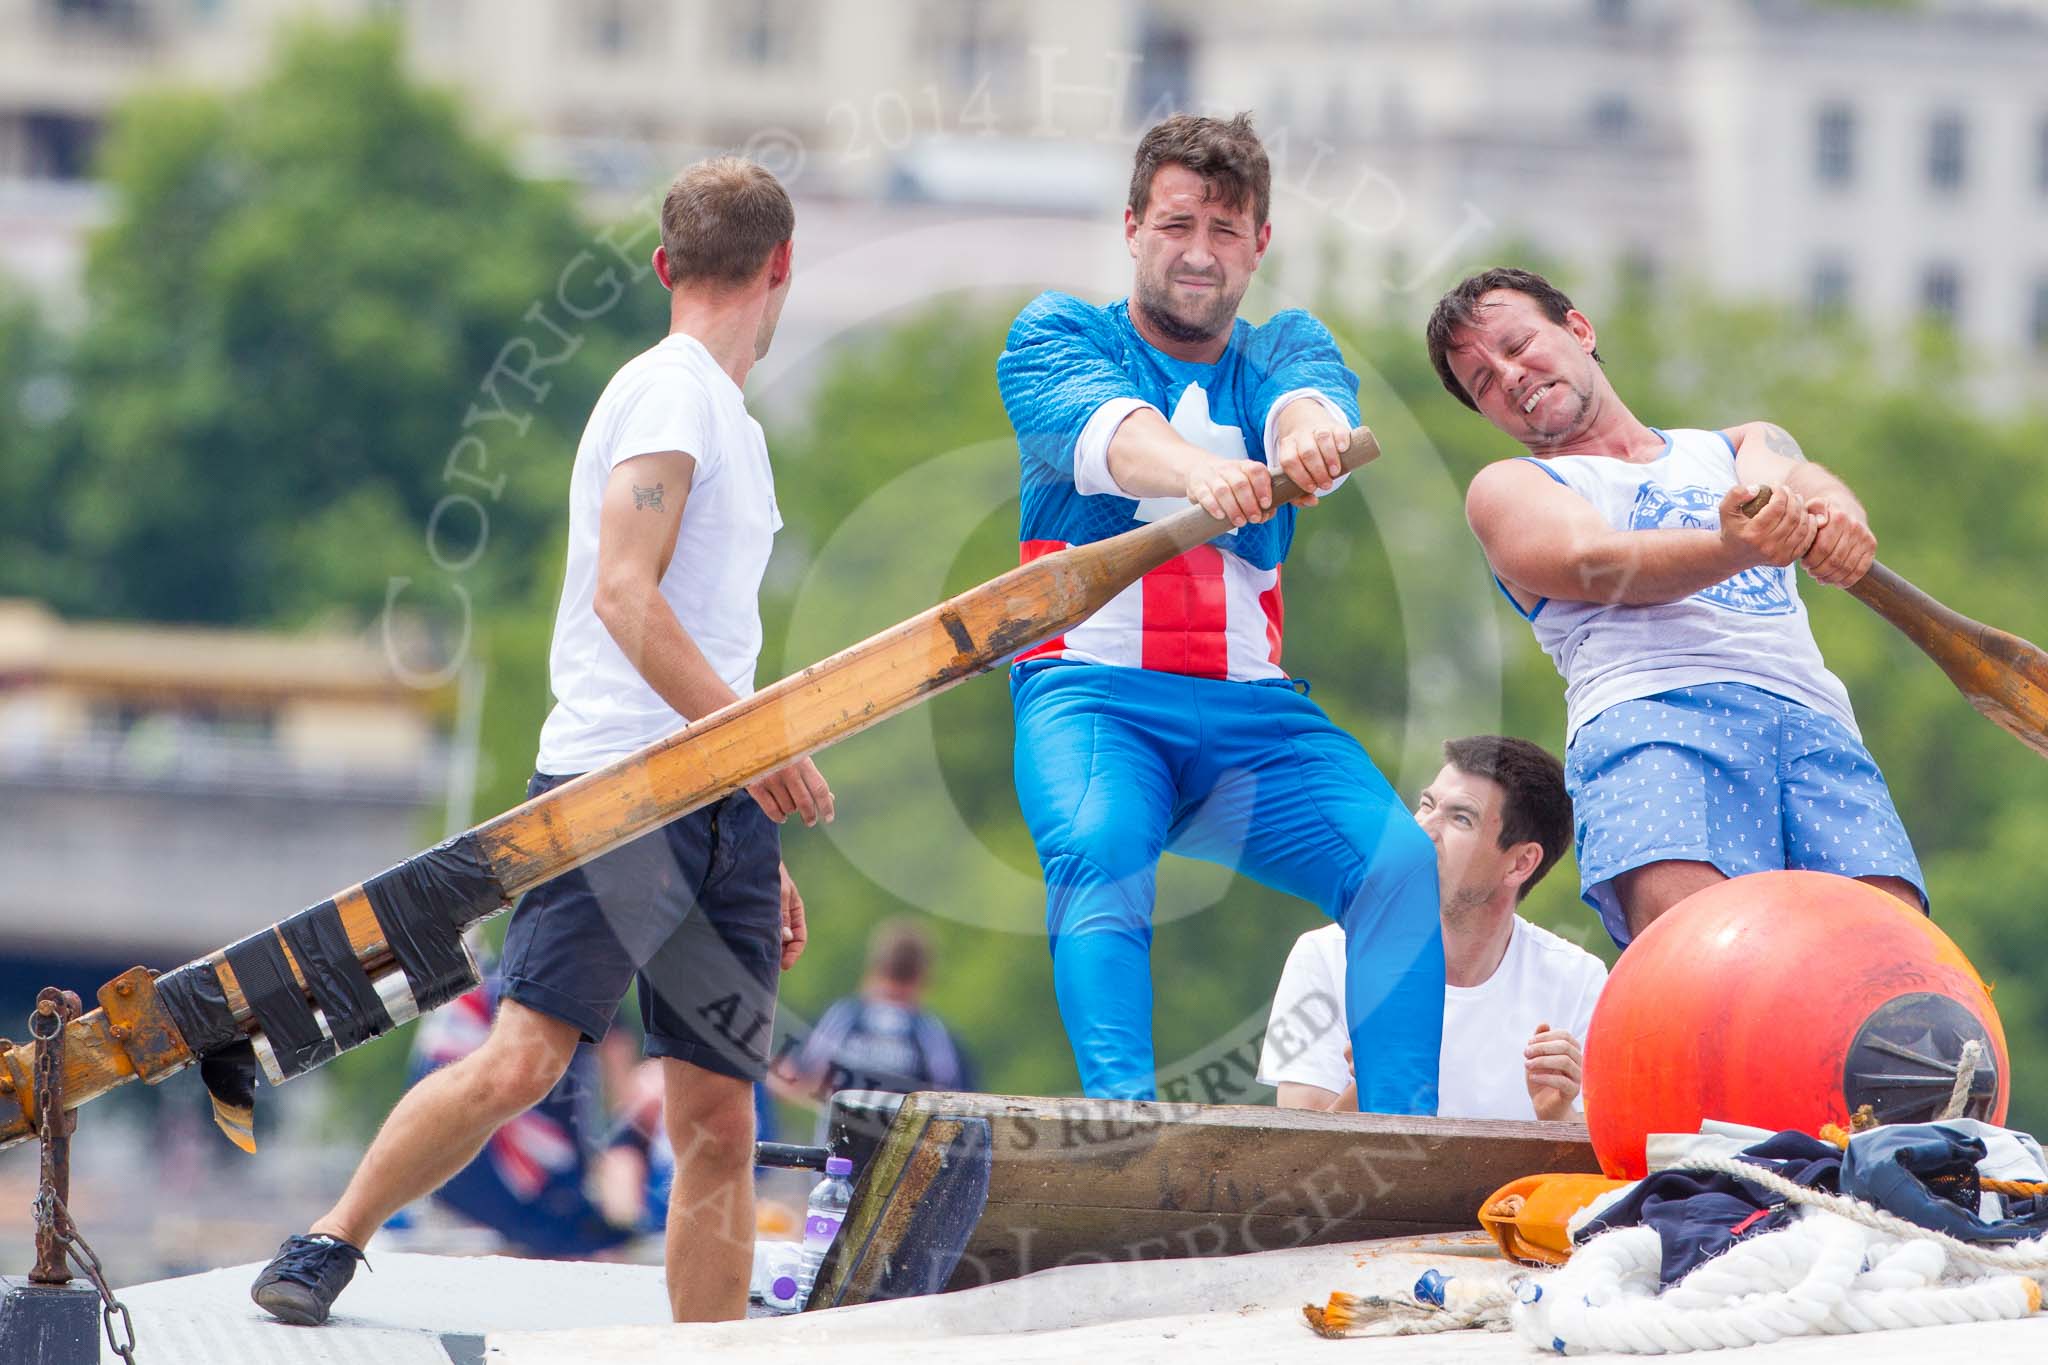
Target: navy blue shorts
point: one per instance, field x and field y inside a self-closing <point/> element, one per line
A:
<point x="692" y="911"/>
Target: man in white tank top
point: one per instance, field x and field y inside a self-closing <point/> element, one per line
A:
<point x="671" y="519"/>
<point x="1705" y="736"/>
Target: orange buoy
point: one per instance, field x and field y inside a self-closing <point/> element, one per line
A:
<point x="1785" y="1000"/>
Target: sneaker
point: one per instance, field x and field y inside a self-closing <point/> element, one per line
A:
<point x="301" y="1281"/>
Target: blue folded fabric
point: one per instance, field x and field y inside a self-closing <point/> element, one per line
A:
<point x="1927" y="1172"/>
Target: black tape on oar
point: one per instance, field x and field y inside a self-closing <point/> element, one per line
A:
<point x="319" y="943"/>
<point x="279" y="1004"/>
<point x="230" y="1078"/>
<point x="193" y="997"/>
<point x="423" y="904"/>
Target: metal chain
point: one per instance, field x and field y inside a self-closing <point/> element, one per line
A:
<point x="51" y="1212"/>
<point x="45" y="1027"/>
<point x="52" y="1217"/>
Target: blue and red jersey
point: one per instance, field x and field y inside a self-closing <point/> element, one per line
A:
<point x="1069" y="373"/>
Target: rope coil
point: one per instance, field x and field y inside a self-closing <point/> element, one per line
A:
<point x="1842" y="1266"/>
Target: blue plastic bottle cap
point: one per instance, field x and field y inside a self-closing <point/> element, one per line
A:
<point x="838" y="1165"/>
<point x="784" y="1288"/>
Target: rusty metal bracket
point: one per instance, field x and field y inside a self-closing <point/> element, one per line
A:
<point x="54" y="1010"/>
<point x="141" y="1027"/>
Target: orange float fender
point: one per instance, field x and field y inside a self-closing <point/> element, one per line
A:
<point x="1786" y="1000"/>
<point x="1528" y="1217"/>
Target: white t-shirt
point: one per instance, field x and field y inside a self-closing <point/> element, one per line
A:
<point x="672" y="397"/>
<point x="1542" y="979"/>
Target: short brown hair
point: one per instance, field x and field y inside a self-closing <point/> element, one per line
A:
<point x="900" y="952"/>
<point x="1228" y="156"/>
<point x="1537" y="809"/>
<point x="1461" y="306"/>
<point x="721" y="218"/>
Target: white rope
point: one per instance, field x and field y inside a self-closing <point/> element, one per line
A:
<point x="1966" y="1076"/>
<point x="1822" y="1273"/>
<point x="1840" y="1266"/>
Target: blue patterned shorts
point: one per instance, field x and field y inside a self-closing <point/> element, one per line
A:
<point x="1732" y="775"/>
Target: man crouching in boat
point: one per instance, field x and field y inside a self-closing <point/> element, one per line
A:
<point x="1705" y="737"/>
<point x="1165" y="721"/>
<point x="672" y="517"/>
<point x="1517" y="998"/>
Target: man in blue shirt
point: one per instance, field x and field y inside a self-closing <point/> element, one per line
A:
<point x="1165" y="721"/>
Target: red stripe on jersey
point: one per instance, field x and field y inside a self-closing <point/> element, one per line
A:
<point x="1187" y="615"/>
<point x="1026" y="552"/>
<point x="1276" y="616"/>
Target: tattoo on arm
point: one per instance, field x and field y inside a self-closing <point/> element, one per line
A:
<point x="649" y="499"/>
<point x="1779" y="441"/>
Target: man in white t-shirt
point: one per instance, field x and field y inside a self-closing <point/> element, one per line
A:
<point x="671" y="519"/>
<point x="1517" y="998"/>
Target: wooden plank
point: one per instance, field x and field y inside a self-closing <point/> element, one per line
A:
<point x="1074" y="1180"/>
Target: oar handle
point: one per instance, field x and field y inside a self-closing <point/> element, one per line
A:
<point x="1363" y="450"/>
<point x="1879" y="586"/>
<point x="1761" y="498"/>
<point x="1757" y="501"/>
<point x="1193" y="525"/>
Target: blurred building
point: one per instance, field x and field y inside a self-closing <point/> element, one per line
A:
<point x="1887" y="161"/>
<point x="614" y="92"/>
<point x="164" y="791"/>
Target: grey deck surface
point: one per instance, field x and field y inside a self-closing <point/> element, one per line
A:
<point x="431" y="1310"/>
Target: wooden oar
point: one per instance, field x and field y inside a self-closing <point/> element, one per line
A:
<point x="133" y="1035"/>
<point x="2004" y="677"/>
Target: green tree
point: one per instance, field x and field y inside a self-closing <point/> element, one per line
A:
<point x="295" y="316"/>
<point x="37" y="437"/>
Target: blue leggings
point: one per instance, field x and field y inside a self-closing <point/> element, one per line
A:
<point x="1116" y="765"/>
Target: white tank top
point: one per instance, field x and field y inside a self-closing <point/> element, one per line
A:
<point x="1751" y="628"/>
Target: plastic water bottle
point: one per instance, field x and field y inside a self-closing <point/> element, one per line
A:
<point x="829" y="1201"/>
